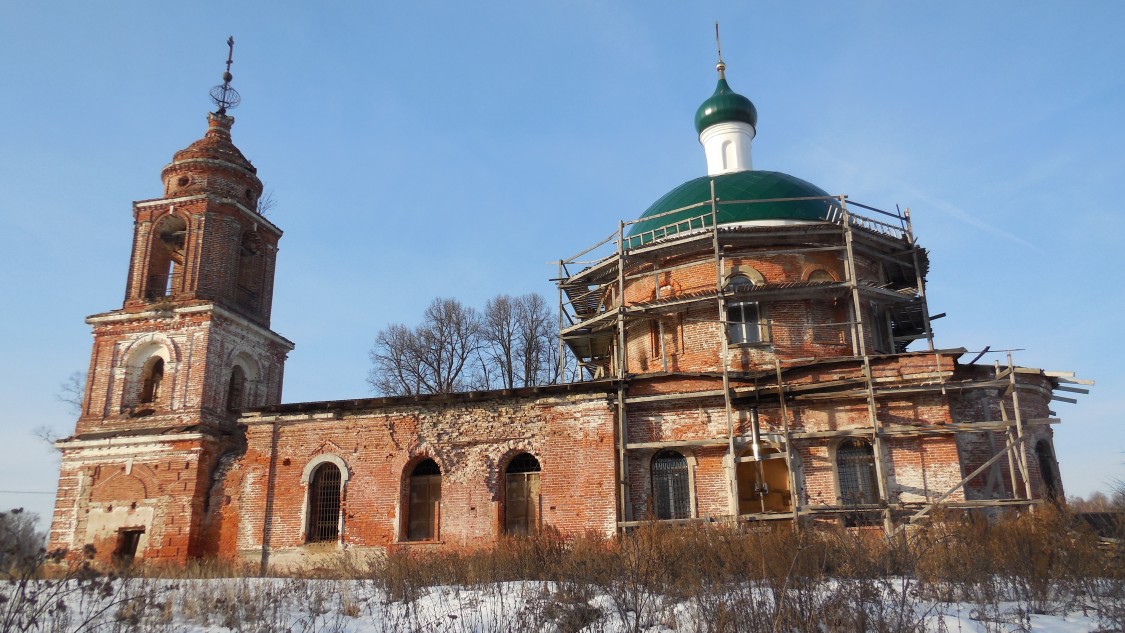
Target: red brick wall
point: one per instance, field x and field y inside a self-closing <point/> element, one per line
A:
<point x="149" y="483"/>
<point x="805" y="328"/>
<point x="571" y="436"/>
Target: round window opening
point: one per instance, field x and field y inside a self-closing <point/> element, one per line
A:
<point x="183" y="181"/>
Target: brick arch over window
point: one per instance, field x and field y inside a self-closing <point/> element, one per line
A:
<point x="324" y="478"/>
<point x="119" y="487"/>
<point x="819" y="273"/>
<point x="241" y="383"/>
<point x="125" y="484"/>
<point x="149" y="369"/>
<point x="747" y="271"/>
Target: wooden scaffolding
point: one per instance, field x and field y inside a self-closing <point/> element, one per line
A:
<point x="594" y="319"/>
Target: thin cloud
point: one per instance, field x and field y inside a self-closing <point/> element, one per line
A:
<point x="850" y="170"/>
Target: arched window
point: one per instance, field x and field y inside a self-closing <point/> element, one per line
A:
<point x="424" y="513"/>
<point x="521" y="495"/>
<point x="744" y="320"/>
<point x="820" y="275"/>
<point x="670" y="493"/>
<point x="1047" y="472"/>
<point x="165" y="256"/>
<point x="151" y="379"/>
<point x="855" y="470"/>
<point x="236" y="389"/>
<point x="324" y="504"/>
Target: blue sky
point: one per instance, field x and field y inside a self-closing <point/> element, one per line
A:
<point x="440" y="149"/>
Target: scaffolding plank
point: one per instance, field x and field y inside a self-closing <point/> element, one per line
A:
<point x="675" y="396"/>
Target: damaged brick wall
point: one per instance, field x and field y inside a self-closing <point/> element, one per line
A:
<point x="571" y="436"/>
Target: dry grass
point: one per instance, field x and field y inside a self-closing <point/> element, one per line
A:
<point x="702" y="578"/>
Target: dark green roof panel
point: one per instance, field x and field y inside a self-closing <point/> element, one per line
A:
<point x="736" y="186"/>
<point x="724" y="106"/>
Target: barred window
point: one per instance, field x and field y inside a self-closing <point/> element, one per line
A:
<point x="671" y="498"/>
<point x="324" y="504"/>
<point x="424" y="511"/>
<point x="521" y="495"/>
<point x="855" y="468"/>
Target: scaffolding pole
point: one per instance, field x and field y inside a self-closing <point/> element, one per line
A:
<point x="622" y="368"/>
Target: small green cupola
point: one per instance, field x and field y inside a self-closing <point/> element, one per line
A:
<point x="725" y="106"/>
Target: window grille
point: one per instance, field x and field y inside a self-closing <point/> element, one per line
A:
<point x="324" y="504"/>
<point x="671" y="498"/>
<point x="855" y="467"/>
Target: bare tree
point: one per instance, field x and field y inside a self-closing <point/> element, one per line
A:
<point x="535" y="339"/>
<point x="72" y="392"/>
<point x="511" y="344"/>
<point x="517" y="342"/>
<point x="431" y="358"/>
<point x="19" y="539"/>
<point x="498" y="343"/>
<point x="266" y="202"/>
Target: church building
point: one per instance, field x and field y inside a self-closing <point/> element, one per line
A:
<point x="753" y="349"/>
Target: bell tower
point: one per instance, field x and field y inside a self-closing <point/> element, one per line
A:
<point x="190" y="346"/>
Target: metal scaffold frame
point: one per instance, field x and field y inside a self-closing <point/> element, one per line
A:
<point x="594" y="316"/>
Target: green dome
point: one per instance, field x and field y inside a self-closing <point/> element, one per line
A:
<point x="739" y="185"/>
<point x="724" y="106"/>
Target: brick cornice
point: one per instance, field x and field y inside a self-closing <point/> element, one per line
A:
<point x="251" y="214"/>
<point x="118" y="316"/>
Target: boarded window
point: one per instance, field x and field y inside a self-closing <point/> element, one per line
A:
<point x="424" y="513"/>
<point x="521" y="495"/>
<point x="671" y="498"/>
<point x="324" y="504"/>
<point x="855" y="467"/>
<point x="763" y="486"/>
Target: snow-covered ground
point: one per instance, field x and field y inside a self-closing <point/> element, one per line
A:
<point x="280" y="604"/>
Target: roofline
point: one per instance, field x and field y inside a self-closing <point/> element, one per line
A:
<point x="590" y="386"/>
